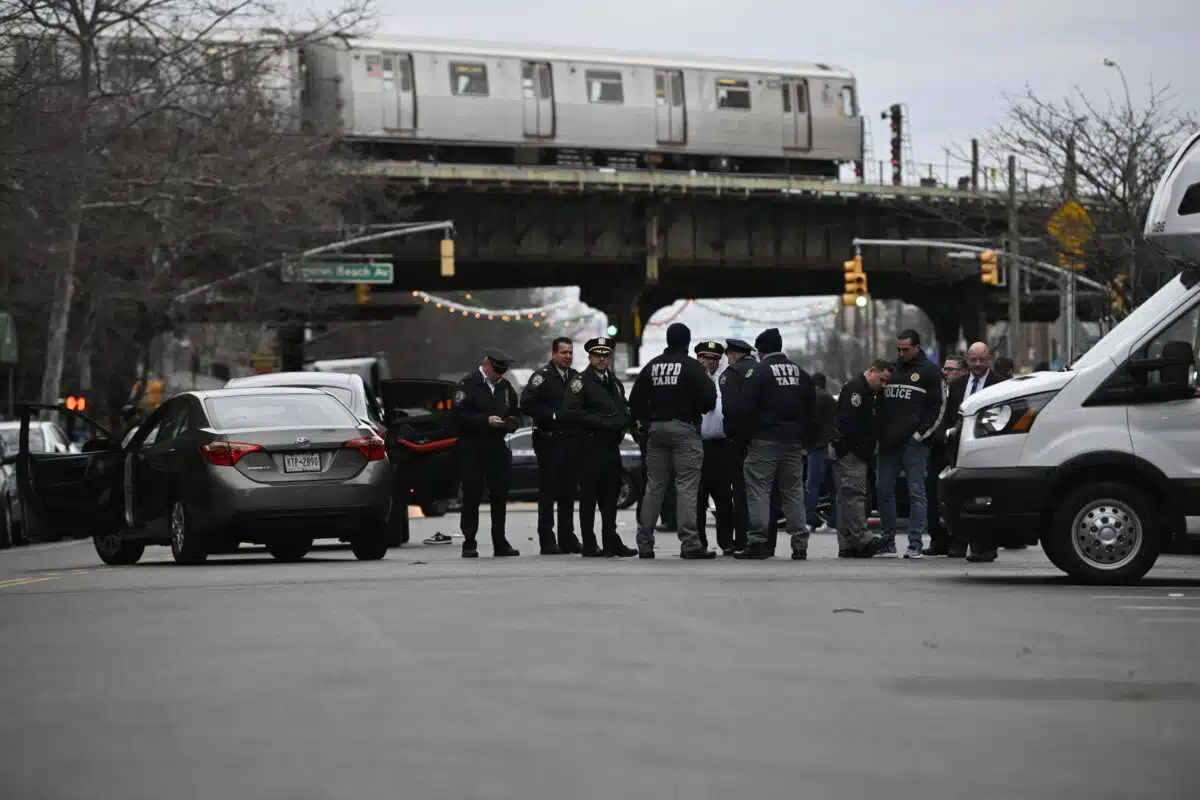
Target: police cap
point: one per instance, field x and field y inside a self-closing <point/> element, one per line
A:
<point x="738" y="346"/>
<point x="714" y="349"/>
<point x="600" y="346"/>
<point x="499" y="360"/>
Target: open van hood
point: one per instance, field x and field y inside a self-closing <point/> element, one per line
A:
<point x="1018" y="386"/>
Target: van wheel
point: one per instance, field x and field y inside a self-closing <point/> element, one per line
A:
<point x="1105" y="534"/>
<point x="116" y="551"/>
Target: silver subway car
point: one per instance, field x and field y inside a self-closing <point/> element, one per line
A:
<point x="470" y="102"/>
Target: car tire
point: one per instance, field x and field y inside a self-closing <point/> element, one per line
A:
<point x="436" y="508"/>
<point x="117" y="551"/>
<point x="370" y="543"/>
<point x="6" y="531"/>
<point x="626" y="496"/>
<point x="187" y="545"/>
<point x="1105" y="534"/>
<point x="398" y="532"/>
<point x="290" y="549"/>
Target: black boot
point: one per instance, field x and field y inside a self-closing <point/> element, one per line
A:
<point x="470" y="549"/>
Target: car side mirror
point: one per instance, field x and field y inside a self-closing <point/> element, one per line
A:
<point x="99" y="446"/>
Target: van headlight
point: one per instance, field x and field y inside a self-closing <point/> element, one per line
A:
<point x="1011" y="416"/>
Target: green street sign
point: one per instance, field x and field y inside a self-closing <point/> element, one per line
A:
<point x="8" y="338"/>
<point x="311" y="272"/>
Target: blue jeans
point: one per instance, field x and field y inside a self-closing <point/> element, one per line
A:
<point x="911" y="460"/>
<point x="819" y="467"/>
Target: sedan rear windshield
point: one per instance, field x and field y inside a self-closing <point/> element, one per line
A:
<point x="278" y="411"/>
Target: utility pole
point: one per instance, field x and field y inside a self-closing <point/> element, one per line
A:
<point x="1066" y="309"/>
<point x="1013" y="246"/>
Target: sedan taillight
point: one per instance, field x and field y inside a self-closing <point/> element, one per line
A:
<point x="227" y="454"/>
<point x="371" y="446"/>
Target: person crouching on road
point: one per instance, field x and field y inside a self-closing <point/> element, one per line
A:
<point x="595" y="404"/>
<point x="779" y="401"/>
<point x="486" y="407"/>
<point x="853" y="447"/>
<point x="670" y="395"/>
<point x="716" y="479"/>
<point x="909" y="414"/>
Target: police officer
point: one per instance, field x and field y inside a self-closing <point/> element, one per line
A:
<point x="778" y="401"/>
<point x="486" y="407"/>
<point x="595" y="403"/>
<point x="671" y="394"/>
<point x="557" y="447"/>
<point x="716" y="479"/>
<point x="910" y="412"/>
<point x="853" y="447"/>
<point x="741" y="358"/>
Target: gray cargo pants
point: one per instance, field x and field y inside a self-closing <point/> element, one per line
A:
<point x="765" y="461"/>
<point x="672" y="445"/>
<point x="850" y="474"/>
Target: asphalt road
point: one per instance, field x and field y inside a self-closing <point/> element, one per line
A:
<point x="425" y="676"/>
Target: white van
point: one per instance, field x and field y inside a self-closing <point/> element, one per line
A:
<point x="1099" y="462"/>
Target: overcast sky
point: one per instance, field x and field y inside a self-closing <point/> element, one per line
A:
<point x="950" y="62"/>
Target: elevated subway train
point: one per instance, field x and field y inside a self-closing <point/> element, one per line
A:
<point x="469" y="102"/>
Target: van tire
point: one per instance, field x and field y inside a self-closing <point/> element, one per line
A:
<point x="1118" y="510"/>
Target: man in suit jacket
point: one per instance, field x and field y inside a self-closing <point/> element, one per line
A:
<point x="953" y="367"/>
<point x="979" y="376"/>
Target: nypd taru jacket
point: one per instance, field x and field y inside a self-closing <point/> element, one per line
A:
<point x="779" y="401"/>
<point x="912" y="404"/>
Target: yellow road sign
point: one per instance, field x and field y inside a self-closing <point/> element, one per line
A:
<point x="1071" y="227"/>
<point x="1072" y="261"/>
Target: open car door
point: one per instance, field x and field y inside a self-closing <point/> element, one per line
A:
<point x="69" y="494"/>
<point x="421" y="436"/>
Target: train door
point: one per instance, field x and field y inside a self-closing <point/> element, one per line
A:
<point x="398" y="96"/>
<point x="670" y="113"/>
<point x="537" y="86"/>
<point x="796" y="119"/>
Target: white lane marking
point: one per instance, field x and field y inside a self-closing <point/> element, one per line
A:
<point x="1170" y="620"/>
<point x="1143" y="597"/>
<point x="1158" y="608"/>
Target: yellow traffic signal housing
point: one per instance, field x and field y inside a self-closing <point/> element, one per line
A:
<point x="362" y="293"/>
<point x="989" y="268"/>
<point x="856" y="282"/>
<point x="447" y="258"/>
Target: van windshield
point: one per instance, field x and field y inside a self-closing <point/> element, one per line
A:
<point x="1132" y="326"/>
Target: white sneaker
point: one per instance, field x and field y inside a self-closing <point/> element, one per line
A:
<point x="825" y="529"/>
<point x="913" y="553"/>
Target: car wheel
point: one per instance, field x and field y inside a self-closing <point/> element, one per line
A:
<point x="626" y="497"/>
<point x="437" y="508"/>
<point x="186" y="545"/>
<point x="290" y="549"/>
<point x="6" y="531"/>
<point x="1105" y="534"/>
<point x="117" y="551"/>
<point x="398" y="533"/>
<point x="370" y="543"/>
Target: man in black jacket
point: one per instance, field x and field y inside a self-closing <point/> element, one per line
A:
<point x="853" y="446"/>
<point x="819" y="465"/>
<point x="909" y="414"/>
<point x="778" y="406"/>
<point x="557" y="447"/>
<point x="486" y="407"/>
<point x="671" y="394"/>
<point x="741" y="360"/>
<point x="953" y="366"/>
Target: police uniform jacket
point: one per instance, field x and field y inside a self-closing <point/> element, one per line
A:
<point x="779" y="400"/>
<point x="672" y="386"/>
<point x="542" y="397"/>
<point x="597" y="409"/>
<point x="731" y="383"/>
<point x="474" y="402"/>
<point x="856" y="431"/>
<point x="912" y="405"/>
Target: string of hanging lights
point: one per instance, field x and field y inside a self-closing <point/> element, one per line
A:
<point x="563" y="313"/>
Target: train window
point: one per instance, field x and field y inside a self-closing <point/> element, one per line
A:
<point x="787" y="97"/>
<point x="469" y="79"/>
<point x="605" y="87"/>
<point x="733" y="94"/>
<point x="802" y="97"/>
<point x="847" y="101"/>
<point x="660" y="91"/>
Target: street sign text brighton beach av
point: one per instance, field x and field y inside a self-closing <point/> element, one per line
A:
<point x="313" y="272"/>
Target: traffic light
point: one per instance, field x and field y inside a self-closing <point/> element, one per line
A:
<point x="989" y="268"/>
<point x="76" y="402"/>
<point x="856" y="283"/>
<point x="362" y="293"/>
<point x="1116" y="295"/>
<point x="897" y="144"/>
<point x="447" y="258"/>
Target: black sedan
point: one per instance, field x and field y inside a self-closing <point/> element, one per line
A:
<point x="207" y="470"/>
<point x="524" y="483"/>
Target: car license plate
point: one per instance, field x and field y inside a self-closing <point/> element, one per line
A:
<point x="302" y="462"/>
